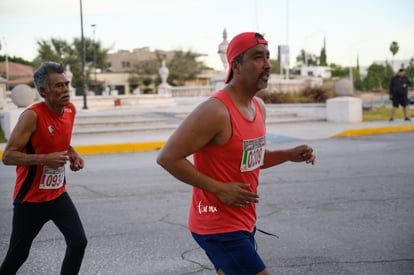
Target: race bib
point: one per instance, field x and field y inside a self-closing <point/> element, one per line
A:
<point x="52" y="178"/>
<point x="253" y="154"/>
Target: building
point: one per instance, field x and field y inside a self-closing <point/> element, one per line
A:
<point x="16" y="74"/>
<point x="119" y="66"/>
<point x="323" y="72"/>
<point x="124" y="60"/>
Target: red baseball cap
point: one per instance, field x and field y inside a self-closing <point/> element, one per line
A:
<point x="239" y="44"/>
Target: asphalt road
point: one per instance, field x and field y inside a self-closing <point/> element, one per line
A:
<point x="350" y="213"/>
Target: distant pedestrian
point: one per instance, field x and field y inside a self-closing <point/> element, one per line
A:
<point x="40" y="147"/>
<point x="399" y="94"/>
<point x="226" y="134"/>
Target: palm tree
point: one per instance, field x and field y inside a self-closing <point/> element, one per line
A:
<point x="394" y="49"/>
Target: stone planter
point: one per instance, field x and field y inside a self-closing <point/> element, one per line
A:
<point x="23" y="95"/>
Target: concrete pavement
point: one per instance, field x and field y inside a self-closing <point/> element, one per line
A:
<point x="280" y="132"/>
<point x="302" y="128"/>
<point x="350" y="213"/>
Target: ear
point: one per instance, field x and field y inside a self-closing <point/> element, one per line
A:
<point x="42" y="91"/>
<point x="235" y="67"/>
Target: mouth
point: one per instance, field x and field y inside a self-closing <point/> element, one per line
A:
<point x="264" y="76"/>
<point x="65" y="97"/>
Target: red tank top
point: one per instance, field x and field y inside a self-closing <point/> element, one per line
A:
<point x="238" y="160"/>
<point x="38" y="183"/>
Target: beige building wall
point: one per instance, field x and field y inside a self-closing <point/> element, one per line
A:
<point x="119" y="65"/>
<point x="124" y="60"/>
<point x="111" y="80"/>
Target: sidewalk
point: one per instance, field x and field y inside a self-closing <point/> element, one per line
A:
<point x="276" y="132"/>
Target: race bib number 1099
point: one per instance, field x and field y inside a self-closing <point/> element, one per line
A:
<point x="253" y="154"/>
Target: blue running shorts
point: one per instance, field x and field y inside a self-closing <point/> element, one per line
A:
<point x="233" y="252"/>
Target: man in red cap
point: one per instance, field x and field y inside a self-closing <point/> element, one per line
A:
<point x="226" y="135"/>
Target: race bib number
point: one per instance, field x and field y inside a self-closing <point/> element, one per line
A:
<point x="52" y="178"/>
<point x="253" y="154"/>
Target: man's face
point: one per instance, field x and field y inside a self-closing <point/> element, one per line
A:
<point x="256" y="67"/>
<point x="58" y="94"/>
<point x="401" y="73"/>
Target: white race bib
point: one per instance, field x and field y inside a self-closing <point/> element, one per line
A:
<point x="253" y="154"/>
<point x="52" y="178"/>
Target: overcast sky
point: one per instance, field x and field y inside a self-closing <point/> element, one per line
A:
<point x="354" y="27"/>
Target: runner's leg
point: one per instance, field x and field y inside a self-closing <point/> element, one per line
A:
<point x="28" y="220"/>
<point x="67" y="219"/>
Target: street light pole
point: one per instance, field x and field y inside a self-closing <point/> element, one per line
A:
<point x="7" y="62"/>
<point x="85" y="105"/>
<point x="306" y="44"/>
<point x="94" y="58"/>
<point x="287" y="39"/>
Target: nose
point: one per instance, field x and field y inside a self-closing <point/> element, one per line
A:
<point x="267" y="64"/>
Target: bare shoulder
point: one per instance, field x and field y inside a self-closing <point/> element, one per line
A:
<point x="212" y="107"/>
<point x="28" y="118"/>
<point x="25" y="127"/>
<point x="27" y="122"/>
<point x="206" y="124"/>
<point x="262" y="105"/>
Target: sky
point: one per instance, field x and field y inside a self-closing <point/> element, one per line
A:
<point x="351" y="29"/>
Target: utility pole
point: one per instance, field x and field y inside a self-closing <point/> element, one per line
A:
<point x="94" y="59"/>
<point x="287" y="39"/>
<point x="7" y="62"/>
<point x="85" y="105"/>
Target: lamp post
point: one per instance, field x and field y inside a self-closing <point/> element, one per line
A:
<point x="94" y="58"/>
<point x="287" y="39"/>
<point x="306" y="44"/>
<point x="7" y="62"/>
<point x="85" y="105"/>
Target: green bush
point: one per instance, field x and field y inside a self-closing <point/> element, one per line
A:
<point x="2" y="138"/>
<point x="308" y="95"/>
<point x="317" y="95"/>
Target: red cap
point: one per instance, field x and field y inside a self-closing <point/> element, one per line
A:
<point x="239" y="44"/>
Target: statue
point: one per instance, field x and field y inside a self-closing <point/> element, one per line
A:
<point x="164" y="72"/>
<point x="222" y="49"/>
<point x="217" y="82"/>
<point x="69" y="76"/>
<point x="164" y="88"/>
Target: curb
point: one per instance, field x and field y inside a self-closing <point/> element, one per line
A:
<point x="376" y="131"/>
<point x="156" y="145"/>
<point x="116" y="148"/>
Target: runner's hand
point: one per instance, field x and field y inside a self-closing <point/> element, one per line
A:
<point x="236" y="194"/>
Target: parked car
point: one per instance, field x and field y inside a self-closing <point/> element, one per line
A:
<point x="411" y="98"/>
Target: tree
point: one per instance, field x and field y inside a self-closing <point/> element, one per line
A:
<point x="358" y="84"/>
<point x="323" y="59"/>
<point x="144" y="71"/>
<point x="409" y="71"/>
<point x="394" y="49"/>
<point x="275" y="66"/>
<point x="183" y="66"/>
<point x="307" y="58"/>
<point x="338" y="71"/>
<point x="60" y="50"/>
<point x="16" y="59"/>
<point x="378" y="77"/>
